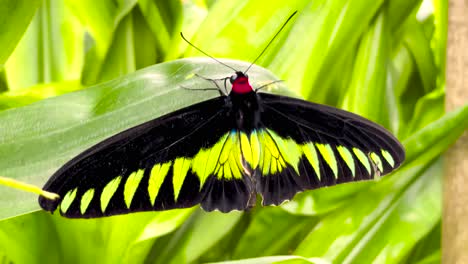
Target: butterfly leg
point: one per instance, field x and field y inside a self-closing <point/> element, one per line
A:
<point x="200" y="89"/>
<point x="215" y="83"/>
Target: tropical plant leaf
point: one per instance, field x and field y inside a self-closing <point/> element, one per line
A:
<point x="51" y="50"/>
<point x="15" y="16"/>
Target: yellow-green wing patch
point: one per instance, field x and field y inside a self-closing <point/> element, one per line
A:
<point x="388" y="157"/>
<point x="68" y="200"/>
<point x="131" y="185"/>
<point x="181" y="167"/>
<point x="86" y="200"/>
<point x="311" y="155"/>
<point x="157" y="175"/>
<point x="348" y="158"/>
<point x="108" y="192"/>
<point x="363" y="159"/>
<point x="329" y="157"/>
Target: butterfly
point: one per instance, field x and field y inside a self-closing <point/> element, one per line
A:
<point x="221" y="153"/>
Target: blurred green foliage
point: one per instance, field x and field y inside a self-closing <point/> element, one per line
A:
<point x="382" y="59"/>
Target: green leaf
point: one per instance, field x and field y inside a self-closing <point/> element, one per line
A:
<point x="420" y="47"/>
<point x="326" y="33"/>
<point x="51" y="50"/>
<point x="367" y="88"/>
<point x="400" y="10"/>
<point x="118" y="239"/>
<point x="407" y="220"/>
<point x="29" y="233"/>
<point x="33" y="94"/>
<point x="437" y="136"/>
<point x="280" y="240"/>
<point x="428" y="249"/>
<point x="15" y="16"/>
<point x="164" y="19"/>
<point x="324" y="200"/>
<point x="52" y="131"/>
<point x="195" y="237"/>
<point x="101" y="19"/>
<point x="114" y="64"/>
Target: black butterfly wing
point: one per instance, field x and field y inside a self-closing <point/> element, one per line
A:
<point x="308" y="145"/>
<point x="175" y="161"/>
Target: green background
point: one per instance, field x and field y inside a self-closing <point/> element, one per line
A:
<point x="384" y="60"/>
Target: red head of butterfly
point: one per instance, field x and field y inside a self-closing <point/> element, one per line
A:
<point x="240" y="83"/>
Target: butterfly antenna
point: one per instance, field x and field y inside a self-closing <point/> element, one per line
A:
<point x="266" y="47"/>
<point x="206" y="54"/>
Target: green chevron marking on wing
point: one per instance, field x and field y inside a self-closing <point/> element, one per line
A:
<point x="229" y="165"/>
<point x="68" y="200"/>
<point x="157" y="175"/>
<point x="329" y="157"/>
<point x="86" y="200"/>
<point x="289" y="150"/>
<point x="275" y="153"/>
<point x="311" y="155"/>
<point x="108" y="191"/>
<point x="363" y="159"/>
<point x="206" y="160"/>
<point x="181" y="167"/>
<point x="388" y="157"/>
<point x="131" y="186"/>
<point x="246" y="148"/>
<point x="255" y="148"/>
<point x="348" y="158"/>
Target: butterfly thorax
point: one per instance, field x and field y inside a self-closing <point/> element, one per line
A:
<point x="246" y="110"/>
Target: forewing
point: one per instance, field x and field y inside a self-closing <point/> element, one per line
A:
<point x="307" y="146"/>
<point x="175" y="161"/>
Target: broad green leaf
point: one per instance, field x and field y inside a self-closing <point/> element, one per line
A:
<point x="439" y="38"/>
<point x="280" y="240"/>
<point x="33" y="94"/>
<point x="324" y="200"/>
<point x="333" y="28"/>
<point x="144" y="41"/>
<point x="429" y="107"/>
<point x="28" y="239"/>
<point x="420" y="48"/>
<point x="3" y="81"/>
<point x="164" y="19"/>
<point x="114" y="64"/>
<point x="196" y="237"/>
<point x="15" y="16"/>
<point x="368" y="84"/>
<point x="51" y="50"/>
<point x="428" y="249"/>
<point x="37" y="139"/>
<point x="437" y="136"/>
<point x="399" y="11"/>
<point x="234" y="20"/>
<point x="405" y="222"/>
<point x="101" y="19"/>
<point x="118" y="239"/>
<point x="434" y="258"/>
